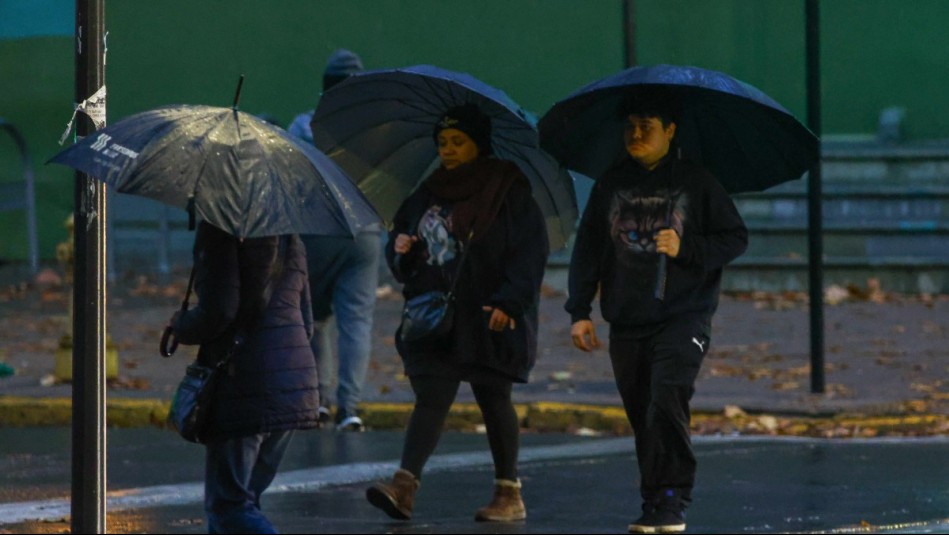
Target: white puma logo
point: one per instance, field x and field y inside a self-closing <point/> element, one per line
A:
<point x="698" y="343"/>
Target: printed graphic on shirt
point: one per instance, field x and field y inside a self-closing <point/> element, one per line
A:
<point x="635" y="221"/>
<point x="435" y="228"/>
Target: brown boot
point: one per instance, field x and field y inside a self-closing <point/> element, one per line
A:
<point x="395" y="498"/>
<point x="506" y="506"/>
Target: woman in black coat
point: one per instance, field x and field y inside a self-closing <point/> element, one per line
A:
<point x="473" y="218"/>
<point x="255" y="290"/>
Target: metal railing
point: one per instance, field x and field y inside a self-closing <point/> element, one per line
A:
<point x="15" y="196"/>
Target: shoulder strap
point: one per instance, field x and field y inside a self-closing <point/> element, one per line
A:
<point x="461" y="261"/>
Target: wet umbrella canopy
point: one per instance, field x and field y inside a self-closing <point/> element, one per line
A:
<point x="378" y="126"/>
<point x="236" y="171"/>
<point x="745" y="138"/>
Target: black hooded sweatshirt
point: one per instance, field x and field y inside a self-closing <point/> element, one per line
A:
<point x="503" y="269"/>
<point x="615" y="248"/>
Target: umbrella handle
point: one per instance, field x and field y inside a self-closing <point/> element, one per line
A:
<point x="660" y="291"/>
<point x="164" y="348"/>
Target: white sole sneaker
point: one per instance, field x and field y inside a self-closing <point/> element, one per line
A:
<point x="352" y="423"/>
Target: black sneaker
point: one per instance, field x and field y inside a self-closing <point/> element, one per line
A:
<point x="324" y="417"/>
<point x="640" y="523"/>
<point x="659" y="520"/>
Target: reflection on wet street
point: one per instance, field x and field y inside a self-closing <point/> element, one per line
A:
<point x="571" y="484"/>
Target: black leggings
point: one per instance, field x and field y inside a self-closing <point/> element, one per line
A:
<point x="433" y="399"/>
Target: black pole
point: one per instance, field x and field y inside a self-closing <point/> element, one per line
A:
<point x="88" y="326"/>
<point x="814" y="216"/>
<point x="629" y="33"/>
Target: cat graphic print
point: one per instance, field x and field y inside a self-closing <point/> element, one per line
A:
<point x="636" y="220"/>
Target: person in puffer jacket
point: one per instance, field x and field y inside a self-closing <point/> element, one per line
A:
<point x="255" y="289"/>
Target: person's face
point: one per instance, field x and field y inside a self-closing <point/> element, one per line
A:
<point x="647" y="141"/>
<point x="455" y="148"/>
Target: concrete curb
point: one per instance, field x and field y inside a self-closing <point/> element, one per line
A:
<point x="535" y="417"/>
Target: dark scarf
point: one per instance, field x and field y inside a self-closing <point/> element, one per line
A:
<point x="477" y="189"/>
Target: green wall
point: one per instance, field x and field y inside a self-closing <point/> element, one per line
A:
<point x="185" y="51"/>
<point x="876" y="53"/>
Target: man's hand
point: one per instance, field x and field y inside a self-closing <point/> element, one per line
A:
<point x="667" y="242"/>
<point x="499" y="320"/>
<point x="582" y="330"/>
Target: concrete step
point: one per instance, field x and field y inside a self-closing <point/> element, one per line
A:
<point x="908" y="275"/>
<point x="901" y="274"/>
<point x="885" y="214"/>
<point x="929" y="243"/>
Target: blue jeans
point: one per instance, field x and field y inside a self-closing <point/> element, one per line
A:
<point x="237" y="472"/>
<point x="344" y="275"/>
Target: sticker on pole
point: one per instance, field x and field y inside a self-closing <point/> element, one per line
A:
<point x="93" y="107"/>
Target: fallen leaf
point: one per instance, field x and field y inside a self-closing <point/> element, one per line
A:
<point x="834" y="295"/>
<point x="734" y="411"/>
<point x="561" y="376"/>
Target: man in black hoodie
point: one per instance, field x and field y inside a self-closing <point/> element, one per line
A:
<point x="648" y="205"/>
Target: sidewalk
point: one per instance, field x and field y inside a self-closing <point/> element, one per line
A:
<point x="886" y="365"/>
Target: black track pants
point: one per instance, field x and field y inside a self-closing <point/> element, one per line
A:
<point x="655" y="375"/>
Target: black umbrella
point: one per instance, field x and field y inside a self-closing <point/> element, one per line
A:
<point x="378" y="126"/>
<point x="745" y="138"/>
<point x="238" y="172"/>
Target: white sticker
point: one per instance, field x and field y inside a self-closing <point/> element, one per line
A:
<point x="94" y="107"/>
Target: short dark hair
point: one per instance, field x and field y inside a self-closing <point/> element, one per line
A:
<point x="651" y="102"/>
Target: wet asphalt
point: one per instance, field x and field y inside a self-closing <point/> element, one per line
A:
<point x="572" y="484"/>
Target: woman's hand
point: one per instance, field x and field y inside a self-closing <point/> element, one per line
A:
<point x="499" y="320"/>
<point x="403" y="243"/>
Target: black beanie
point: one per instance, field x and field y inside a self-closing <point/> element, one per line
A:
<point x="339" y="66"/>
<point x="469" y="119"/>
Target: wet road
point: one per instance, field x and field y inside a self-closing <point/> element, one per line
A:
<point x="571" y="484"/>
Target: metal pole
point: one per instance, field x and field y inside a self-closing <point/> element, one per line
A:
<point x="629" y="33"/>
<point x="89" y="332"/>
<point x="814" y="216"/>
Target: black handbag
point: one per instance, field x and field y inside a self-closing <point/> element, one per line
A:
<point x="429" y="316"/>
<point x="190" y="412"/>
<point x="191" y="406"/>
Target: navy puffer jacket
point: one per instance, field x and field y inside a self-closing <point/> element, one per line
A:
<point x="271" y="381"/>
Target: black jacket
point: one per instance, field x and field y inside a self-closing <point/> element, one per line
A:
<point x="270" y="384"/>
<point x="503" y="269"/>
<point x="614" y="250"/>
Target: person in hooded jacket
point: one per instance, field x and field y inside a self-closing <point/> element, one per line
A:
<point x="650" y="204"/>
<point x="344" y="274"/>
<point x="254" y="290"/>
<point x="478" y="211"/>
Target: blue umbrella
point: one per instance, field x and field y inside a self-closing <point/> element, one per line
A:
<point x="238" y="172"/>
<point x="745" y="138"/>
<point x="377" y="125"/>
